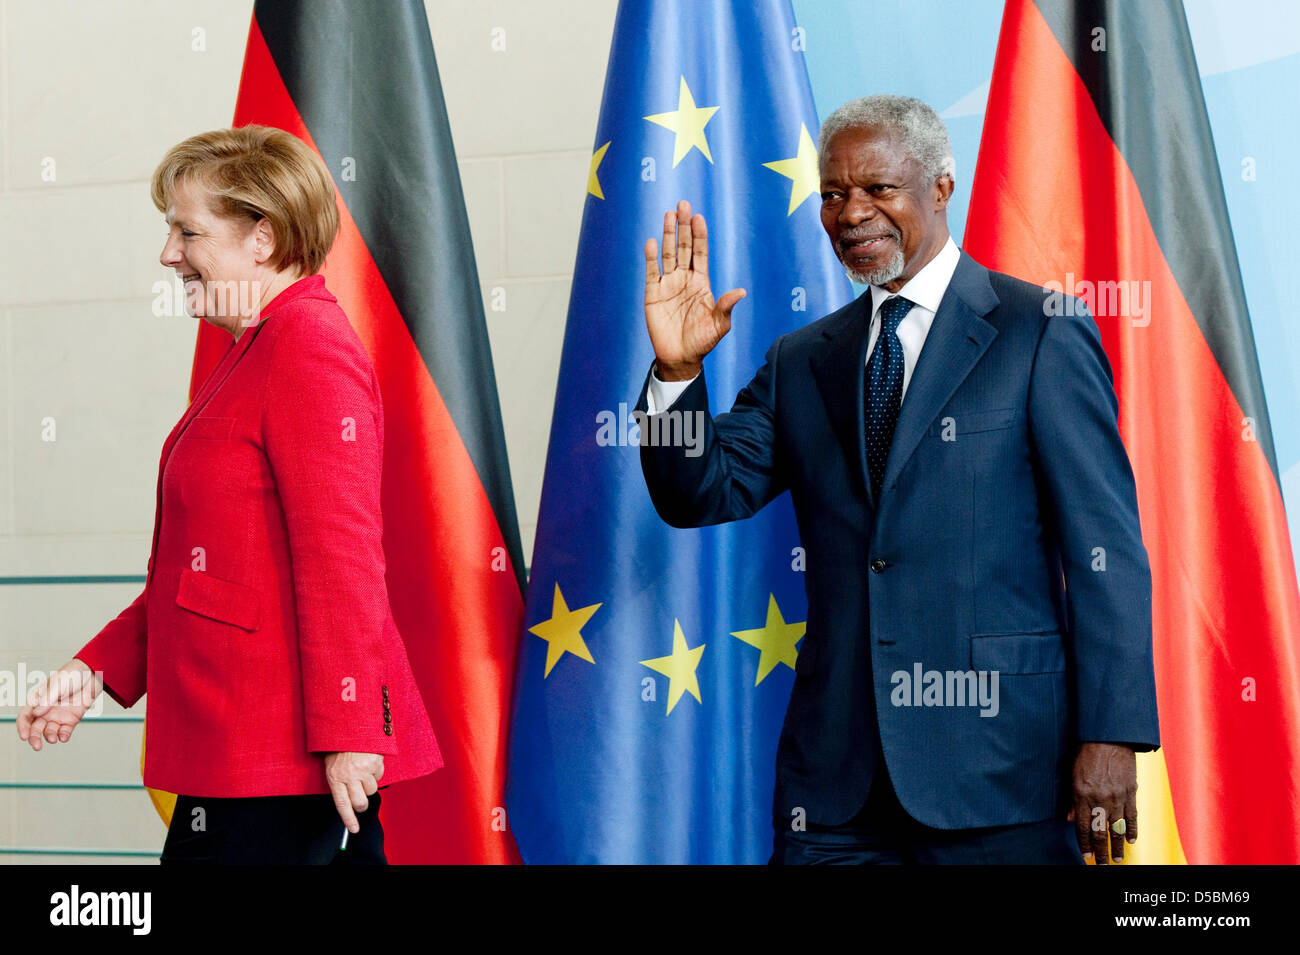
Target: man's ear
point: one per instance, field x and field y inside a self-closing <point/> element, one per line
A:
<point x="943" y="187"/>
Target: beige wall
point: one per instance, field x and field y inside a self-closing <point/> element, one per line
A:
<point x="94" y="91"/>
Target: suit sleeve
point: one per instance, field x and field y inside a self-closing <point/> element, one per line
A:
<point x="1073" y="420"/>
<point x="322" y="423"/>
<point x="702" y="470"/>
<point x="662" y="395"/>
<point x="119" y="653"/>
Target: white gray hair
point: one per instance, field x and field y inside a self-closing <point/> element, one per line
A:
<point x="918" y="126"/>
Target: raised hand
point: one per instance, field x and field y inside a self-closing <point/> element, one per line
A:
<point x="684" y="321"/>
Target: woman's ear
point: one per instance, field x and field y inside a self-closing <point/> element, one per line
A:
<point x="263" y="241"/>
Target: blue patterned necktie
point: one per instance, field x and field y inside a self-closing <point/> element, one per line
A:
<point x="884" y="388"/>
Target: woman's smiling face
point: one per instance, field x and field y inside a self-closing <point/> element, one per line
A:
<point x="216" y="256"/>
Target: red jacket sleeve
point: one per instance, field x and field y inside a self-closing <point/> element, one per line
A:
<point x="119" y="653"/>
<point x="322" y="426"/>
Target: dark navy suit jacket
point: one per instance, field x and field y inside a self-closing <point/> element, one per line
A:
<point x="1005" y="539"/>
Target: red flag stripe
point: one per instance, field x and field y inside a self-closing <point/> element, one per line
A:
<point x="459" y="617"/>
<point x="1052" y="195"/>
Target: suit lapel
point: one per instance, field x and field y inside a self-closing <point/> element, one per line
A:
<point x="957" y="339"/>
<point x="838" y="371"/>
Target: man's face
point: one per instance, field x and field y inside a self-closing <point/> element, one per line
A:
<point x="885" y="218"/>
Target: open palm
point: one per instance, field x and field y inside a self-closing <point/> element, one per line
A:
<point x="685" y="322"/>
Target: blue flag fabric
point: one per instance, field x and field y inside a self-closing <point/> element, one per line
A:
<point x="657" y="663"/>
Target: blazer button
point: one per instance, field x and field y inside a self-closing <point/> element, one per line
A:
<point x="388" y="729"/>
<point x="878" y="565"/>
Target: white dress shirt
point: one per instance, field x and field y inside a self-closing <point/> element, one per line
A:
<point x="925" y="291"/>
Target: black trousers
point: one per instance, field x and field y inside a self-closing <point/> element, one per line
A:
<point x="882" y="833"/>
<point x="270" y="830"/>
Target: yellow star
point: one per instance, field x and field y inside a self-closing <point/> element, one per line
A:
<point x="801" y="170"/>
<point x="679" y="668"/>
<point x="593" y="184"/>
<point x="688" y="122"/>
<point x="776" y="639"/>
<point x="563" y="632"/>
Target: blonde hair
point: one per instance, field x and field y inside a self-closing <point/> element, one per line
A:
<point x="259" y="172"/>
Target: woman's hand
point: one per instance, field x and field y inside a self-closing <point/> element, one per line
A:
<point x="55" y="708"/>
<point x="352" y="777"/>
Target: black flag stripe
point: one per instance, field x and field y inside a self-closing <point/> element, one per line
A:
<point x="364" y="79"/>
<point x="1141" y="75"/>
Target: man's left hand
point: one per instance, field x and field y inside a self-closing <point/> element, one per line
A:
<point x="1105" y="781"/>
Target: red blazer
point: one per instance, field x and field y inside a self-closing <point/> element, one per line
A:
<point x="264" y="635"/>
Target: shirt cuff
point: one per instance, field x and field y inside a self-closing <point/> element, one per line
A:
<point x="661" y="395"/>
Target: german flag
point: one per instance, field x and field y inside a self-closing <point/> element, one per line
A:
<point x="1097" y="175"/>
<point x="359" y="84"/>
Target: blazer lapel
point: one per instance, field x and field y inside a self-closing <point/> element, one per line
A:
<point x="312" y="285"/>
<point x="838" y="371"/>
<point x="958" y="338"/>
<point x="217" y="378"/>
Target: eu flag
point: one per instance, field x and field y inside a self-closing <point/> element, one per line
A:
<point x="656" y="663"/>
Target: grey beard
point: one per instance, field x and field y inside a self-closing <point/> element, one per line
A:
<point x="886" y="273"/>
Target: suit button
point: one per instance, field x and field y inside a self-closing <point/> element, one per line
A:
<point x="878" y="565"/>
<point x="388" y="729"/>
